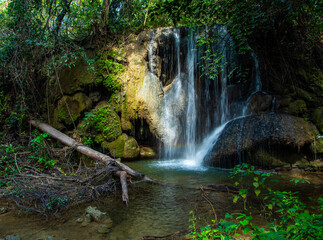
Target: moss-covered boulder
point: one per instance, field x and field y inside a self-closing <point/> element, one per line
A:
<point x="317" y="118"/>
<point x="70" y="108"/>
<point x="76" y="78"/>
<point x="131" y="148"/>
<point x="297" y="107"/>
<point x="106" y="122"/>
<point x="123" y="147"/>
<point x="116" y="148"/>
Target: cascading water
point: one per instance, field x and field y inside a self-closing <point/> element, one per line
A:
<point x="196" y="102"/>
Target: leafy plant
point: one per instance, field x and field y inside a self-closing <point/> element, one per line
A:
<point x="289" y="218"/>
<point x="40" y="151"/>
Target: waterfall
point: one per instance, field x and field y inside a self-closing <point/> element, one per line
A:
<point x="195" y="106"/>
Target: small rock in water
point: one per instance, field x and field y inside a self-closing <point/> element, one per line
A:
<point x="3" y="210"/>
<point x="103" y="228"/>
<point x="96" y="214"/>
<point x="79" y="220"/>
<point x="12" y="237"/>
<point x="87" y="220"/>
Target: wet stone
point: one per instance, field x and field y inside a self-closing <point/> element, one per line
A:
<point x="12" y="237"/>
<point x="87" y="220"/>
<point x="3" y="210"/>
<point x="79" y="220"/>
<point x="104" y="228"/>
<point x="96" y="214"/>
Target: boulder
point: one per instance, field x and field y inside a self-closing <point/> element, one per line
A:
<point x="124" y="147"/>
<point x="131" y="148"/>
<point x="77" y="104"/>
<point x="262" y="131"/>
<point x="76" y="78"/>
<point x="260" y="102"/>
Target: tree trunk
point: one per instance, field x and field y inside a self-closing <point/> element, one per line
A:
<point x="85" y="150"/>
<point x="105" y="15"/>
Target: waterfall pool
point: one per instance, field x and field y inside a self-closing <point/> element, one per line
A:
<point x="154" y="210"/>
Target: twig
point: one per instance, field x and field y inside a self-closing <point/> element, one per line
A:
<point x="206" y="198"/>
<point x="17" y="163"/>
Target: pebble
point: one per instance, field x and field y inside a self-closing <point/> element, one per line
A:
<point x="79" y="220"/>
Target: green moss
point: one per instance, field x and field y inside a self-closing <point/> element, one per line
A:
<point x="75" y="78"/>
<point x="297" y="107"/>
<point x="76" y="105"/>
<point x="123" y="147"/>
<point x="131" y="148"/>
<point x="107" y="69"/>
<point x="106" y="122"/>
<point x="116" y="148"/>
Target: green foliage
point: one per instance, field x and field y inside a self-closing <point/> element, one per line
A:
<point x="7" y="162"/>
<point x="107" y="70"/>
<point x="40" y="151"/>
<point x="55" y="203"/>
<point x="290" y="218"/>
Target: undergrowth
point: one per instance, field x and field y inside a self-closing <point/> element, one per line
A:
<point x="287" y="216"/>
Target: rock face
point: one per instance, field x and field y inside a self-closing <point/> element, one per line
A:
<point x="76" y="105"/>
<point x="265" y="131"/>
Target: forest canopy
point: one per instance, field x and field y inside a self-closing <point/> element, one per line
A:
<point x="40" y="37"/>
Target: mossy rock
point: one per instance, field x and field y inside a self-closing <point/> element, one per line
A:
<point x="317" y="118"/>
<point x="116" y="148"/>
<point x="131" y="148"/>
<point x="123" y="147"/>
<point x="76" y="78"/>
<point x="76" y="105"/>
<point x="297" y="107"/>
<point x="107" y="123"/>
<point x="115" y="101"/>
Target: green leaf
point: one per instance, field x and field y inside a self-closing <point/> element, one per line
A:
<point x="235" y="199"/>
<point x="256" y="185"/>
<point x="257" y="192"/>
<point x="270" y="206"/>
<point x="246" y="230"/>
<point x="244" y="222"/>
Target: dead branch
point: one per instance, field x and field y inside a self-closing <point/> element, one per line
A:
<point x="123" y="179"/>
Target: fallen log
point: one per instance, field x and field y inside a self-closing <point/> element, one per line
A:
<point x="63" y="138"/>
